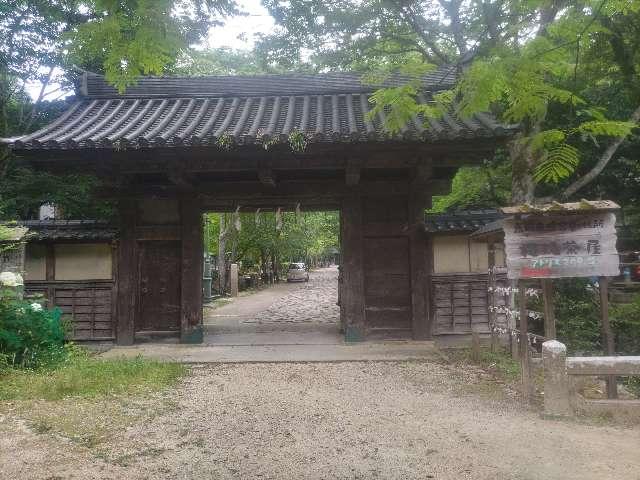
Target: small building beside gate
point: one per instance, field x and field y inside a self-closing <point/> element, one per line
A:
<point x="71" y="264"/>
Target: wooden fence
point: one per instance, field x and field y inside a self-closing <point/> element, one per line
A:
<point x="461" y="303"/>
<point x="87" y="305"/>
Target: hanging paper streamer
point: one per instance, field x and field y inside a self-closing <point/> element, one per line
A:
<point x="236" y="219"/>
<point x="278" y="219"/>
<point x="257" y="217"/>
<point x="298" y="213"/>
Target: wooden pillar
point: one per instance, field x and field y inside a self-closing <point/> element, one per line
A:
<point x="50" y="274"/>
<point x="607" y="334"/>
<point x="491" y="296"/>
<point x="191" y="283"/>
<point x="549" y="315"/>
<point x="352" y="297"/>
<point x="420" y="292"/>
<point x="524" y="343"/>
<point x="127" y="281"/>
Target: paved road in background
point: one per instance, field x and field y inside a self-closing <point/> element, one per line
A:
<point x="304" y="312"/>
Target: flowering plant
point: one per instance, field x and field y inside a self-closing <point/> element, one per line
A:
<point x="30" y="335"/>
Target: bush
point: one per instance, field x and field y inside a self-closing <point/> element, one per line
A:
<point x="30" y="336"/>
<point x="578" y="319"/>
<point x="625" y="322"/>
<point x="577" y="310"/>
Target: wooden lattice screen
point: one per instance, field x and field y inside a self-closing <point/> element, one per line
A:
<point x="88" y="306"/>
<point x="461" y="303"/>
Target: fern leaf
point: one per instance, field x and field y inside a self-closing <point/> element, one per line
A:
<point x="560" y="162"/>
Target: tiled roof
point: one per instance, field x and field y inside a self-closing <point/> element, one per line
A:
<point x="51" y="230"/>
<point x="94" y="86"/>
<point x="461" y="221"/>
<point x="243" y="110"/>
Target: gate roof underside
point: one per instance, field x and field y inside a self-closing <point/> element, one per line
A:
<point x="201" y="111"/>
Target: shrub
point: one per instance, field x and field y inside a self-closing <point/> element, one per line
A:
<point x="30" y="336"/>
<point x="625" y="322"/>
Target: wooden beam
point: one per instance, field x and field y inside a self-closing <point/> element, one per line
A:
<point x="549" y="314"/>
<point x="191" y="329"/>
<point x="127" y="281"/>
<point x="352" y="172"/>
<point x="525" y="363"/>
<point x="607" y="334"/>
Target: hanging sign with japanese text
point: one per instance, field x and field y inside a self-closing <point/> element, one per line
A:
<point x="557" y="246"/>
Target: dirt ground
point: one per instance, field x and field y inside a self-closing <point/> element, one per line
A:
<point x="316" y="421"/>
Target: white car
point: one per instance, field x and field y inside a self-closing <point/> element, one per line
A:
<point x="297" y="273"/>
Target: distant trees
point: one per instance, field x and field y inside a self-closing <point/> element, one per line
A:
<point x="266" y="239"/>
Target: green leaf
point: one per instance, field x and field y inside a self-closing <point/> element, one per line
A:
<point x="606" y="128"/>
<point x="560" y="162"/>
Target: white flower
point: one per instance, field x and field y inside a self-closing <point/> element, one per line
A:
<point x="9" y="279"/>
<point x="36" y="307"/>
<point x="19" y="280"/>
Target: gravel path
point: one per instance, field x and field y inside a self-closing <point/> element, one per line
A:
<point x="333" y="421"/>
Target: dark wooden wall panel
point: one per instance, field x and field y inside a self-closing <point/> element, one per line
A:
<point x="461" y="303"/>
<point x="87" y="305"/>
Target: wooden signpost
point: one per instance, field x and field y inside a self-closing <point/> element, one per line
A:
<point x="561" y="241"/>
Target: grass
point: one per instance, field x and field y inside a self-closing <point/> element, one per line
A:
<point x="87" y="377"/>
<point x="498" y="363"/>
<point x="87" y="400"/>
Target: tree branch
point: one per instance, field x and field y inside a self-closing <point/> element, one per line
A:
<point x="602" y="162"/>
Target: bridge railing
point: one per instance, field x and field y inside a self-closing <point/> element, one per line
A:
<point x="560" y="398"/>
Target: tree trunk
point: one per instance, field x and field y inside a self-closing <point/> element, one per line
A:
<point x="522" y="183"/>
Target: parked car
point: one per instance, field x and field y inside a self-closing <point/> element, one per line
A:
<point x="297" y="273"/>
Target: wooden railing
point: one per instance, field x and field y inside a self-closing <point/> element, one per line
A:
<point x="560" y="399"/>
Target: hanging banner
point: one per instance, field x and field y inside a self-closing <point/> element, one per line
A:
<point x="558" y="246"/>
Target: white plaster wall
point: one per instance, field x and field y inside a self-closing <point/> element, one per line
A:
<point x="88" y="261"/>
<point x="450" y="254"/>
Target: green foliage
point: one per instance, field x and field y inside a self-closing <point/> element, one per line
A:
<point x="30" y="337"/>
<point x="486" y="186"/>
<point x="301" y="238"/>
<point x="557" y="163"/>
<point x="577" y="315"/>
<point x="577" y="309"/>
<point x="23" y="190"/>
<point x="141" y="37"/>
<point x="82" y="376"/>
<point x="530" y="63"/>
<point x="225" y="141"/>
<point x="625" y="322"/>
<point x="222" y="61"/>
<point x="297" y="141"/>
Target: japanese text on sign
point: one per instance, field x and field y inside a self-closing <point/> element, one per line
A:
<point x="556" y="246"/>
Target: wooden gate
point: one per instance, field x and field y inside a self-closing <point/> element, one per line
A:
<point x="159" y="270"/>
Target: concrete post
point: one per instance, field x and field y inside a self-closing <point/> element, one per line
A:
<point x="233" y="279"/>
<point x="556" y="382"/>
